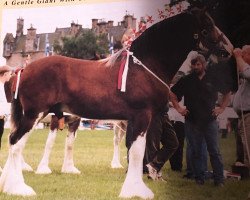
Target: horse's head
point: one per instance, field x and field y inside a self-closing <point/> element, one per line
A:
<point x="210" y="40"/>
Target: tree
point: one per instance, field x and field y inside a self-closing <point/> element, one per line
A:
<point x="83" y="46"/>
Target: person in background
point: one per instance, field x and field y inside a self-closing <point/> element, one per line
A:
<point x="5" y="74"/>
<point x="241" y="103"/>
<point x="177" y="121"/>
<point x="200" y="96"/>
<point x="161" y="144"/>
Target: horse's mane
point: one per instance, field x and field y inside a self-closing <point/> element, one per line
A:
<point x="161" y="32"/>
<point x="112" y="59"/>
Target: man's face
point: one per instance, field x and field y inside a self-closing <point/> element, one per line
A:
<point x="198" y="67"/>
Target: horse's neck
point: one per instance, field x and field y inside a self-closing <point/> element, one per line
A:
<point x="160" y="50"/>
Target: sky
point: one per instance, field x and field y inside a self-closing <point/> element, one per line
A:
<point x="47" y="19"/>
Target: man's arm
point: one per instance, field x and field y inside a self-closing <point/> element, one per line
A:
<point x="223" y="105"/>
<point x="242" y="66"/>
<point x="173" y="98"/>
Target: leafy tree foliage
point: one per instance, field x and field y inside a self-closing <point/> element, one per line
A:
<point x="83" y="46"/>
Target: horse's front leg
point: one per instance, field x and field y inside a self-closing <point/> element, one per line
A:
<point x="133" y="184"/>
<point x="11" y="180"/>
<point x="118" y="135"/>
<point x="68" y="163"/>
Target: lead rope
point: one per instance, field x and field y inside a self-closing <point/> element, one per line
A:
<point x="243" y="124"/>
<point x="138" y="62"/>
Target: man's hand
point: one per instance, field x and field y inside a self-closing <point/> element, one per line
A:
<point x="237" y="52"/>
<point x="217" y="111"/>
<point x="183" y="111"/>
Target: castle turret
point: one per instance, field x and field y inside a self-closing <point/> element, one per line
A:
<point x="128" y="19"/>
<point x="75" y="28"/>
<point x="19" y="28"/>
<point x="94" y="23"/>
<point x="110" y="23"/>
<point x="30" y="39"/>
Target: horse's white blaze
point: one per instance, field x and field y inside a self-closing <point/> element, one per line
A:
<point x="43" y="167"/>
<point x="118" y="135"/>
<point x="133" y="184"/>
<point x="11" y="180"/>
<point x="68" y="163"/>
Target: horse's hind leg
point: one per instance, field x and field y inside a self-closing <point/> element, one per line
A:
<point x="43" y="167"/>
<point x="11" y="180"/>
<point x="133" y="184"/>
<point x="68" y="163"/>
<point x="119" y="132"/>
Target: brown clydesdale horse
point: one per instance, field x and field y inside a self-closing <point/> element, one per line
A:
<point x="89" y="89"/>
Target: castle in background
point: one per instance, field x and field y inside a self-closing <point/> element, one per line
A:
<point x="16" y="49"/>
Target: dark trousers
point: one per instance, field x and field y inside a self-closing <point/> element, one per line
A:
<point x="239" y="144"/>
<point x="177" y="157"/>
<point x="1" y="130"/>
<point x="239" y="148"/>
<point x="161" y="142"/>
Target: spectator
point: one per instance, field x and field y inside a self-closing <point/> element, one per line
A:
<point x="5" y="74"/>
<point x="241" y="101"/>
<point x="200" y="95"/>
<point x="177" y="121"/>
<point x="160" y="145"/>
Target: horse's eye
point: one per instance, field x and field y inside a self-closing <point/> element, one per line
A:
<point x="204" y="32"/>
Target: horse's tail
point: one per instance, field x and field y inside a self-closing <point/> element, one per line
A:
<point x="16" y="112"/>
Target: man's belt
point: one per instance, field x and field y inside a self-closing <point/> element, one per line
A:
<point x="246" y="112"/>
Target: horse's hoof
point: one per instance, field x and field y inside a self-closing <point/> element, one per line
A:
<point x="71" y="170"/>
<point x="138" y="189"/>
<point x="116" y="165"/>
<point x="43" y="170"/>
<point x="20" y="190"/>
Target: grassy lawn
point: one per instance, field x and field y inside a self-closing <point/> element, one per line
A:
<point x="93" y="152"/>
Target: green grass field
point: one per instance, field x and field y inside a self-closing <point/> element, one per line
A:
<point x="93" y="152"/>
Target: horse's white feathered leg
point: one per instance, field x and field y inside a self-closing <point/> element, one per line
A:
<point x="118" y="135"/>
<point x="43" y="167"/>
<point x="11" y="180"/>
<point x="25" y="166"/>
<point x="68" y="163"/>
<point x="133" y="184"/>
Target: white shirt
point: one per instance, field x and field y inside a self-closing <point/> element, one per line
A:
<point x="4" y="105"/>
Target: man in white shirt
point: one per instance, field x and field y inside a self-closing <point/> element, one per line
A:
<point x="5" y="74"/>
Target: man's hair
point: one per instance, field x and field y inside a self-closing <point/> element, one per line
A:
<point x="4" y="69"/>
<point x="200" y="58"/>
